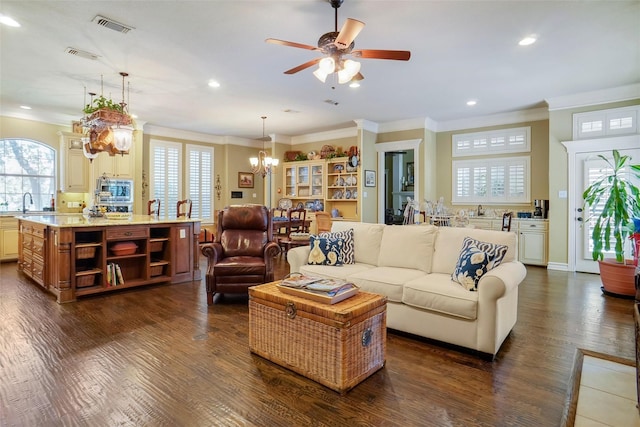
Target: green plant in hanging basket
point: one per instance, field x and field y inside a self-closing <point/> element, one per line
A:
<point x="103" y="103"/>
<point x="621" y="204"/>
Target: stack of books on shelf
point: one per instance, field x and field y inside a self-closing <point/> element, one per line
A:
<point x="114" y="275"/>
<point x="328" y="291"/>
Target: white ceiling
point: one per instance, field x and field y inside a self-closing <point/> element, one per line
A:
<point x="460" y="50"/>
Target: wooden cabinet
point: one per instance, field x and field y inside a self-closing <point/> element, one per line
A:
<point x="74" y="166"/>
<point x="82" y="260"/>
<point x="532" y="237"/>
<point x="532" y="246"/>
<point x="117" y="166"/>
<point x="304" y="181"/>
<point x="32" y="253"/>
<point x="343" y="189"/>
<point x="8" y="238"/>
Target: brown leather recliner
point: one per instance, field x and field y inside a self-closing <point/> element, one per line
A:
<point x="242" y="253"/>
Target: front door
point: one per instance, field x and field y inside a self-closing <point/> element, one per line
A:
<point x="588" y="167"/>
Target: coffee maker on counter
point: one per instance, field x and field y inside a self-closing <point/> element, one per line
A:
<point x="541" y="208"/>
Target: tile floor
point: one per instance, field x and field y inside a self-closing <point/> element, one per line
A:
<point x="607" y="395"/>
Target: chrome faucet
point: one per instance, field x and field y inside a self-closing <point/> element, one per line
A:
<point x="24" y="205"/>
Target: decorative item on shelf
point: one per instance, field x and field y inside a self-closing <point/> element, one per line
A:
<point x="263" y="164"/>
<point x="124" y="248"/>
<point x="290" y="156"/>
<point x="612" y="201"/>
<point x="108" y="126"/>
<point x="327" y="151"/>
<point x="338" y="168"/>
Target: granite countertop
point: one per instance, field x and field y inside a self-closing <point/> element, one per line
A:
<point x="77" y="220"/>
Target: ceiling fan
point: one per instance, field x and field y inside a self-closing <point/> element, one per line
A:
<point x="335" y="46"/>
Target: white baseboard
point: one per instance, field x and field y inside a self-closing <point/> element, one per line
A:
<point x="558" y="266"/>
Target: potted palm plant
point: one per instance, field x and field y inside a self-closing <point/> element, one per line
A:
<point x="619" y="200"/>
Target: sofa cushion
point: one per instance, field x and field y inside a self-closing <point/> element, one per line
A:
<point x="347" y="252"/>
<point x="409" y="246"/>
<point x="475" y="259"/>
<point x="436" y="292"/>
<point x="385" y="280"/>
<point x="325" y="251"/>
<point x="366" y="239"/>
<point x="449" y="243"/>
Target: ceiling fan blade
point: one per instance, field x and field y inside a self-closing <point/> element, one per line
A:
<point x="292" y="44"/>
<point x="348" y="33"/>
<point x="303" y="66"/>
<point x="399" y="55"/>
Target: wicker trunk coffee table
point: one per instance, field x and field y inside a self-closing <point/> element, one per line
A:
<point x="337" y="345"/>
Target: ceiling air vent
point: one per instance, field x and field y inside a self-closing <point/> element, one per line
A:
<point x="82" y="53"/>
<point x="111" y="24"/>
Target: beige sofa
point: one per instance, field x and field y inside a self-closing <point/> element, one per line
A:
<point x="412" y="266"/>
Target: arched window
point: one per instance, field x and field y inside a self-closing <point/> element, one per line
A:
<point x="26" y="167"/>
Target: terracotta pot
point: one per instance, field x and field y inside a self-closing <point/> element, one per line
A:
<point x="617" y="278"/>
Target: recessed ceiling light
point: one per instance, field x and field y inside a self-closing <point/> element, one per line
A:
<point x="213" y="83"/>
<point x="471" y="102"/>
<point x="527" y="40"/>
<point x="25" y="107"/>
<point x="7" y="20"/>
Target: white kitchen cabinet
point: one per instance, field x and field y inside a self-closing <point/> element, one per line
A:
<point x="8" y="238"/>
<point x="74" y="166"/>
<point x="532" y="237"/>
<point x="117" y="166"/>
<point x="532" y="246"/>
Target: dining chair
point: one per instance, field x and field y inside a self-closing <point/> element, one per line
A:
<point x="506" y="221"/>
<point x="323" y="222"/>
<point x="183" y="208"/>
<point x="153" y="207"/>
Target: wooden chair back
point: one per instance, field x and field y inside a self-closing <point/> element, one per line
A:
<point x="183" y="208"/>
<point x="153" y="207"/>
<point x="506" y="221"/>
<point x="323" y="222"/>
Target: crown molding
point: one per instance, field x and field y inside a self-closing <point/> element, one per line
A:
<point x="521" y="116"/>
<point x="595" y="97"/>
<point x="325" y="136"/>
<point x="182" y="134"/>
<point x="409" y="124"/>
<point x="367" y="125"/>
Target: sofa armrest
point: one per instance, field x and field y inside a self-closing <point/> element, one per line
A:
<point x="297" y="257"/>
<point x="501" y="280"/>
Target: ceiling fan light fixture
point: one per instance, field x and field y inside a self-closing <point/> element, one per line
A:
<point x="327" y="65"/>
<point x="320" y="75"/>
<point x="349" y="69"/>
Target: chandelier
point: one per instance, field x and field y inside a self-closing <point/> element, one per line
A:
<point x="263" y="164"/>
<point x="107" y="125"/>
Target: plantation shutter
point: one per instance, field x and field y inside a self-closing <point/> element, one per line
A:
<point x="166" y="175"/>
<point x="200" y="183"/>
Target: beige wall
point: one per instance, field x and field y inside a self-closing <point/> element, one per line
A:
<point x="539" y="163"/>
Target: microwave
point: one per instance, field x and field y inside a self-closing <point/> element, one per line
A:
<point x="115" y="191"/>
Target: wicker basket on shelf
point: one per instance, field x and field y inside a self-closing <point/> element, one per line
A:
<point x="85" y="281"/>
<point x="85" y="253"/>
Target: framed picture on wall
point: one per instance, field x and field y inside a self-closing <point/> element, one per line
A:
<point x="410" y="173"/>
<point x="245" y="180"/>
<point x="76" y="127"/>
<point x="369" y="178"/>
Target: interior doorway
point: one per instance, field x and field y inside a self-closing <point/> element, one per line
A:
<point x="396" y="160"/>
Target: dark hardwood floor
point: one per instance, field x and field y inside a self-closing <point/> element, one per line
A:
<point x="159" y="356"/>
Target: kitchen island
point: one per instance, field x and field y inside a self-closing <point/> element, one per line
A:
<point x="72" y="255"/>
